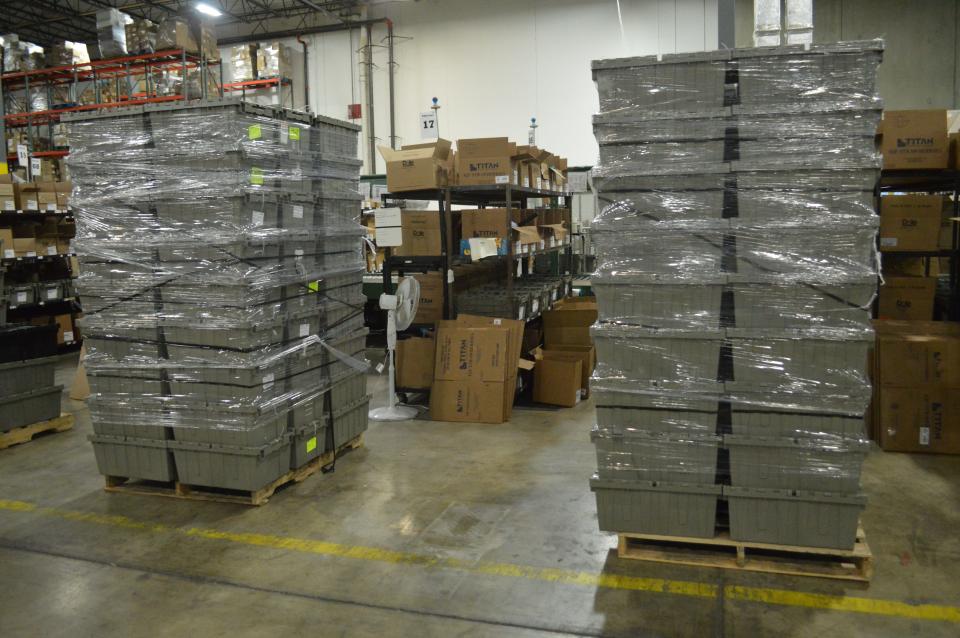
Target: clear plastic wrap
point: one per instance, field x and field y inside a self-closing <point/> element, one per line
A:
<point x="222" y="265"/>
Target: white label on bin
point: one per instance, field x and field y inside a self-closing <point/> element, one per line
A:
<point x="51" y="250"/>
<point x="284" y="133"/>
<point x="304" y="329"/>
<point x="9" y="204"/>
<point x="297" y="211"/>
<point x="298" y="252"/>
<point x="380" y="367"/>
<point x="924" y="436"/>
<point x="502" y="179"/>
<point x="268" y="381"/>
<point x="522" y="313"/>
<point x="553" y="296"/>
<point x="9" y="253"/>
<point x="21" y="297"/>
<point x="888" y="241"/>
<point x="519" y="268"/>
<point x="257" y="218"/>
<point x="52" y="293"/>
<point x="68" y="336"/>
<point x="535" y="306"/>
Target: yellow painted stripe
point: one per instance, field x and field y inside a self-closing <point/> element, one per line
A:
<point x="509" y="570"/>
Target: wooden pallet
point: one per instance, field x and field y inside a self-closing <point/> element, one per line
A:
<point x="722" y="552"/>
<point x="27" y="432"/>
<point x="176" y="489"/>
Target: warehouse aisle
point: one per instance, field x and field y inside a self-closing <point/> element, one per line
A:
<point x="433" y="529"/>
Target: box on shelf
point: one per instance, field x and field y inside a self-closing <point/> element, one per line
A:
<point x="420" y="230"/>
<point x="431" y="297"/>
<point x="556" y="380"/>
<point x="568" y="323"/>
<point x="27" y="196"/>
<point x="47" y="196"/>
<point x="907" y="298"/>
<point x="909" y="266"/>
<point x="418" y="166"/>
<point x="174" y="33"/>
<point x="486" y="222"/>
<point x="6" y="244"/>
<point x="486" y="161"/>
<point x="914" y="139"/>
<point x="415" y="361"/>
<point x="8" y="196"/>
<point x="910" y="222"/>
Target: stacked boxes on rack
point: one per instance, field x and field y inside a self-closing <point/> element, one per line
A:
<point x="736" y="264"/>
<point x="222" y="290"/>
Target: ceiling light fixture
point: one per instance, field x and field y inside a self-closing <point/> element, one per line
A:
<point x="207" y="9"/>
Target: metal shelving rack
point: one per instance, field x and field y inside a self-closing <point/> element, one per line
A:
<point x="941" y="181"/>
<point x="505" y="195"/>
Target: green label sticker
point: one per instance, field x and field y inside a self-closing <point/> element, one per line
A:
<point x="294" y="134"/>
<point x="256" y="176"/>
<point x="311" y="444"/>
<point x="254" y="132"/>
<point x="314" y="286"/>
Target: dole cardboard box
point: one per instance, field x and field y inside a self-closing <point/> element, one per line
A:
<point x="915" y="139"/>
<point x="418" y="166"/>
<point x="420" y="232"/>
<point x="907" y="298"/>
<point x="415" y="361"/>
<point x="910" y="222"/>
<point x="486" y="161"/>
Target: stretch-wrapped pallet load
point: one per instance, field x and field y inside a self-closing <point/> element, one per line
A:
<point x="736" y="267"/>
<point x="223" y="310"/>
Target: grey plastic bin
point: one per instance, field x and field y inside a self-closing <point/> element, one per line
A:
<point x="656" y="508"/>
<point x="351" y="421"/>
<point x="619" y="412"/>
<point x="133" y="458"/>
<point x="17" y="377"/>
<point x="660" y="302"/>
<point x="27" y="408"/>
<point x="788" y="517"/>
<point x="812" y="464"/>
<point x="307" y="442"/>
<point x="230" y="467"/>
<point x="670" y="458"/>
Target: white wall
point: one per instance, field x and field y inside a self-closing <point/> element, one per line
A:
<point x="494" y="64"/>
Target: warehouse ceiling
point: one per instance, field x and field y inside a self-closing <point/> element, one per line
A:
<point x="47" y="21"/>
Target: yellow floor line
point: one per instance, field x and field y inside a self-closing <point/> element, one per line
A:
<point x="509" y="570"/>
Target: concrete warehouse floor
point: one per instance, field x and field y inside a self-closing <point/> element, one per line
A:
<point x="434" y="529"/>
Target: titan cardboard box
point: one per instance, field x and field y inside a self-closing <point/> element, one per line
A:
<point x="8" y="197"/>
<point x="421" y="234"/>
<point x="515" y="330"/>
<point x="431" y="297"/>
<point x="907" y="298"/>
<point x="586" y="355"/>
<point x="472" y="373"/>
<point x="918" y="360"/>
<point x="486" y="160"/>
<point x="418" y="166"/>
<point x="487" y="222"/>
<point x="415" y="361"/>
<point x="569" y="323"/>
<point x="919" y="420"/>
<point x="910" y="222"/>
<point x="556" y="380"/>
<point x="915" y="139"/>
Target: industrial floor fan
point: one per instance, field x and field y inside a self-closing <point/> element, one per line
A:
<point x="401" y="308"/>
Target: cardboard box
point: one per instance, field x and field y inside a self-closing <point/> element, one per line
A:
<point x="528" y="239"/>
<point x="25" y="246"/>
<point x="586" y="355"/>
<point x="515" y="330"/>
<point x="907" y="298"/>
<point x="8" y="197"/>
<point x="556" y="380"/>
<point x="421" y="234"/>
<point x="65" y="332"/>
<point x="488" y="222"/>
<point x="418" y="166"/>
<point x="486" y="160"/>
<point x="27" y="196"/>
<point x="7" y="248"/>
<point x="568" y="324"/>
<point x="415" y="361"/>
<point x="918" y="360"/>
<point x="907" y="266"/>
<point x="920" y="420"/>
<point x="954" y="162"/>
<point x="430" y="309"/>
<point x="915" y="139"/>
<point x="556" y="234"/>
<point x="471" y="373"/>
<point x="910" y="222"/>
<point x="63" y="201"/>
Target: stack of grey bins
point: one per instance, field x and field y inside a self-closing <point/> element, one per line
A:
<point x="221" y="282"/>
<point x="736" y="267"/>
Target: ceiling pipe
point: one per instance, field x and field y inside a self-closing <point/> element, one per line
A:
<point x="293" y="33"/>
<point x="390" y="66"/>
<point x="306" y="74"/>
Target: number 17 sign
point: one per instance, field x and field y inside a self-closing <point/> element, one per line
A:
<point x="428" y="126"/>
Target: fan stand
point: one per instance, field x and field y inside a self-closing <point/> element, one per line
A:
<point x="392" y="412"/>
